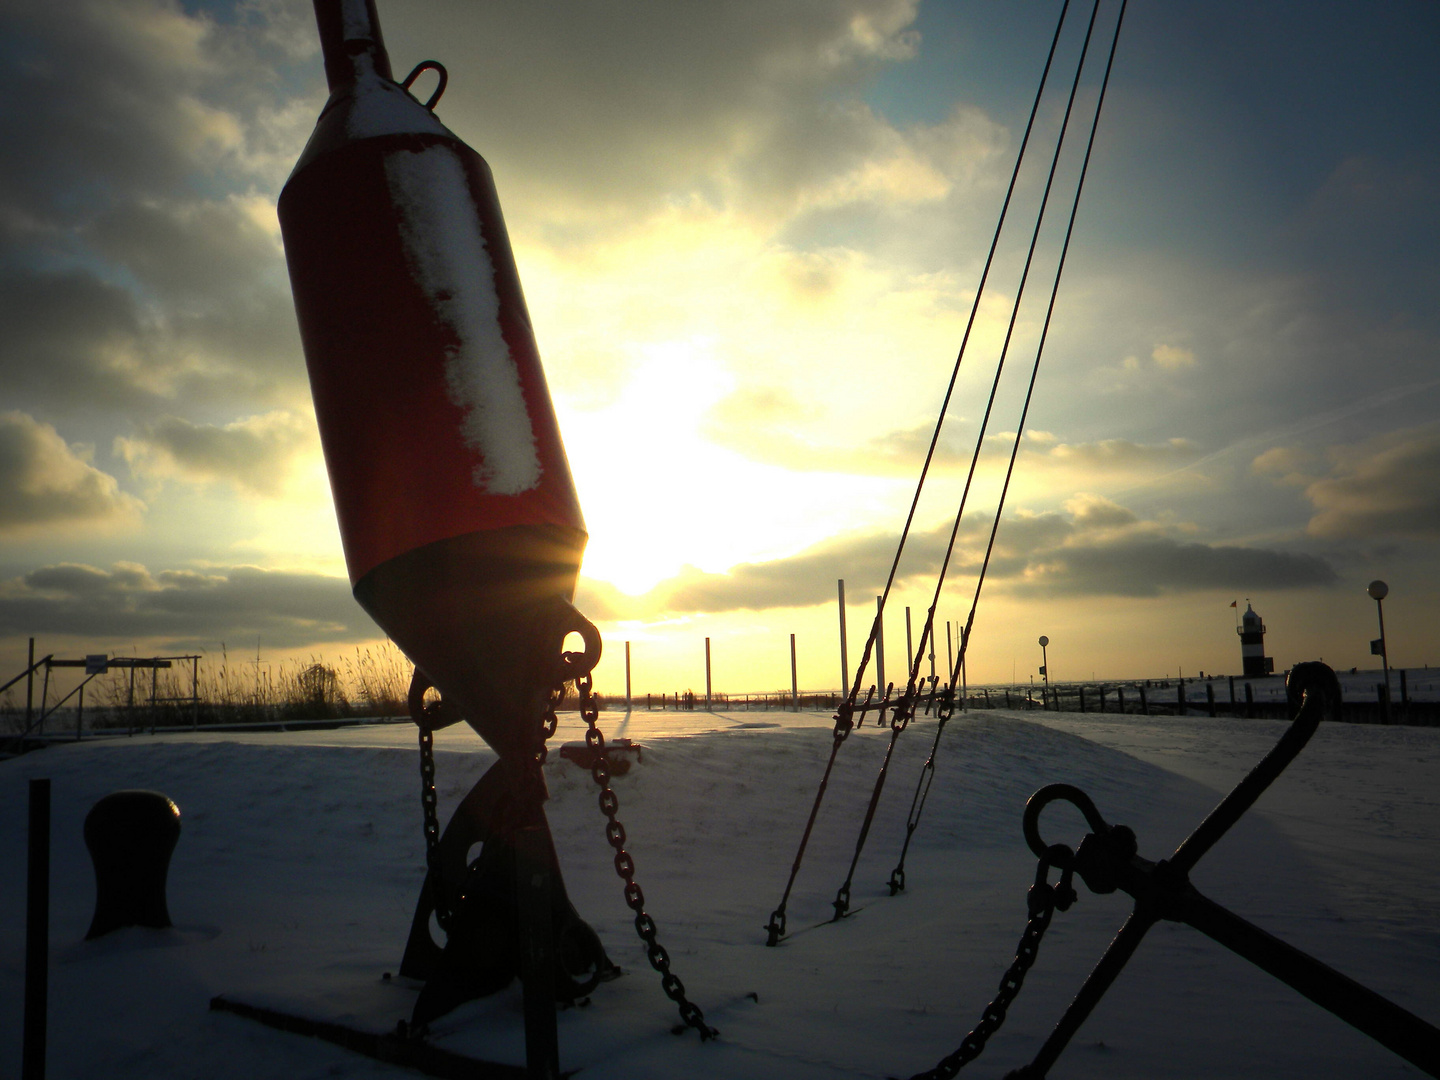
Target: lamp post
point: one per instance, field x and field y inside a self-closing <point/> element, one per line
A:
<point x="1044" y="672"/>
<point x="1378" y="590"/>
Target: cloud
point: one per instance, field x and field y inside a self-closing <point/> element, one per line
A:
<point x="183" y="608"/>
<point x="254" y="454"/>
<point x="1095" y="548"/>
<point x="1388" y="486"/>
<point x="1172" y="357"/>
<point x="46" y="483"/>
<point x="770" y="423"/>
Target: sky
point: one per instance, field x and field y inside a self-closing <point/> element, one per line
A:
<point x="750" y="235"/>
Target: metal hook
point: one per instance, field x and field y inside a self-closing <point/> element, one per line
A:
<point x="428" y="65"/>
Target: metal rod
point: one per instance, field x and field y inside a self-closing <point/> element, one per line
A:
<point x="794" y="680"/>
<point x="880" y="641"/>
<point x="37" y="932"/>
<point x="627" y="676"/>
<point x="707" y="673"/>
<point x="1110" y="965"/>
<point x="30" y="685"/>
<point x="1384" y="661"/>
<point x="1317" y="702"/>
<point x="1387" y="1023"/>
<point x="844" y="648"/>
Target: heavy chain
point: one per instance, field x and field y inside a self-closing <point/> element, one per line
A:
<point x="625" y="865"/>
<point x="429" y="805"/>
<point x="1042" y="900"/>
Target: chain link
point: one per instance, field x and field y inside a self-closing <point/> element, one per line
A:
<point x="429" y="805"/>
<point x="625" y="865"/>
<point x="1042" y="901"/>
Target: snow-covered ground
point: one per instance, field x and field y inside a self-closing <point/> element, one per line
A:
<point x="297" y="871"/>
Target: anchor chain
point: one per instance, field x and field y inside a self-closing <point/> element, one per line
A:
<point x="1042" y="901"/>
<point x="625" y="865"/>
<point x="429" y="806"/>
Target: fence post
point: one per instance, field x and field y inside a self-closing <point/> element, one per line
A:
<point x="1144" y="702"/>
<point x="1180" y="703"/>
<point x="844" y="654"/>
<point x="1210" y="699"/>
<point x="1120" y="699"/>
<point x="1082" y="698"/>
<point x="707" y="673"/>
<point x="1249" y="702"/>
<point x="627" y="677"/>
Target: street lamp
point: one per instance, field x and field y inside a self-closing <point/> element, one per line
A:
<point x="1378" y="590"/>
<point x="1044" y="672"/>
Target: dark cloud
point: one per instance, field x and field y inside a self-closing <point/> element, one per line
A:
<point x="198" y="251"/>
<point x="44" y="482"/>
<point x="1096" y="548"/>
<point x="183" y="608"/>
<point x="749" y="103"/>
<point x="254" y="454"/>
<point x="1385" y="487"/>
<point x="1153" y="566"/>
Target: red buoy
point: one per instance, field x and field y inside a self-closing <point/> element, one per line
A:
<point x="461" y="526"/>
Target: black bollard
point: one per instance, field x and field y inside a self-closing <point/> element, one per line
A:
<point x="131" y="836"/>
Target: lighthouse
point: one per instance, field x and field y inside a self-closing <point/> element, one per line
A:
<point x="1252" y="644"/>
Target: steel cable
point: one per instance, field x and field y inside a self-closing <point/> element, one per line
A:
<point x="843" y="722"/>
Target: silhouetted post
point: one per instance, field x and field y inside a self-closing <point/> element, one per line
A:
<point x="1120" y="699"/>
<point x="80" y="714"/>
<point x="1082" y="697"/>
<point x="30" y="685"/>
<point x="909" y="642"/>
<point x="1144" y="702"/>
<point x="627" y="677"/>
<point x="1233" y="710"/>
<point x="949" y="651"/>
<point x="707" y="673"/>
<point x="844" y="653"/>
<point x="1210" y="699"/>
<point x="195" y="691"/>
<point x="1180" y="699"/>
<point x="1378" y="590"/>
<point x="1044" y="671"/>
<point x="37" y="931"/>
<point x="880" y="644"/>
<point x="794" y="680"/>
<point x="1404" y="689"/>
<point x="534" y="891"/>
<point x="1249" y="702"/>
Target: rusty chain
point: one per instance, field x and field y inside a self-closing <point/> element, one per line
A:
<point x="625" y="865"/>
<point x="1042" y="900"/>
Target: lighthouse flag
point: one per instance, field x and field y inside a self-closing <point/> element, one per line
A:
<point x="1235" y="603"/>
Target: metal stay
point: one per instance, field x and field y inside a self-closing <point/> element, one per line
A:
<point x="1106" y="860"/>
